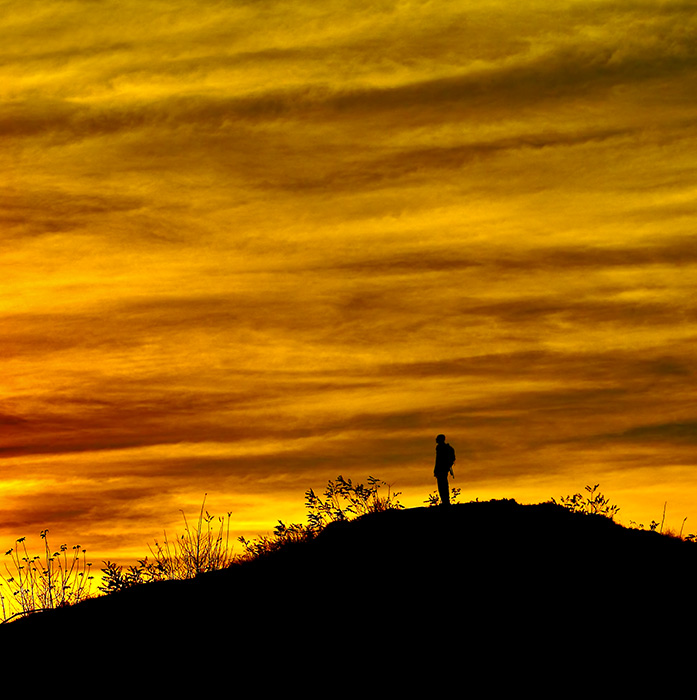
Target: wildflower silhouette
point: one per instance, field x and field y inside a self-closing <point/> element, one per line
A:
<point x="35" y="583"/>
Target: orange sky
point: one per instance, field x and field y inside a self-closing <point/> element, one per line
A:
<point x="249" y="246"/>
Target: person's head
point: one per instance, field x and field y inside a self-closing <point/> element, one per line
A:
<point x="440" y="439"/>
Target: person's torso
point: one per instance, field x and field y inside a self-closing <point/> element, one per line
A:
<point x="445" y="456"/>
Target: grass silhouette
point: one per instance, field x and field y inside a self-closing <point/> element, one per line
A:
<point x="198" y="549"/>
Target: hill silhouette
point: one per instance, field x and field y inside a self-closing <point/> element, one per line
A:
<point x="486" y="587"/>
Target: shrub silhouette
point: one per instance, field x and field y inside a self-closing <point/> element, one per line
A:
<point x="115" y="579"/>
<point x="342" y="501"/>
<point x="433" y="499"/>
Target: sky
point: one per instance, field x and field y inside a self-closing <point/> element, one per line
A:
<point x="249" y="246"/>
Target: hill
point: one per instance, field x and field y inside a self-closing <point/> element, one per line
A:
<point x="479" y="586"/>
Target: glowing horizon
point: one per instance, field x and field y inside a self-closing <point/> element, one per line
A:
<point x="249" y="247"/>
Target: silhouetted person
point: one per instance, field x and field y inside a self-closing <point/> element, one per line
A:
<point x="445" y="458"/>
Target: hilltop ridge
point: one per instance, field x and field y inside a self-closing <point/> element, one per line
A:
<point x="501" y="571"/>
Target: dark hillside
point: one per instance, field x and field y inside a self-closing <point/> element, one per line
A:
<point x="533" y="587"/>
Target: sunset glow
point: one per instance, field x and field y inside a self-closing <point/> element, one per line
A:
<point x="249" y="246"/>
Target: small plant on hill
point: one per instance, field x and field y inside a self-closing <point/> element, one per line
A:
<point x="594" y="503"/>
<point x="342" y="500"/>
<point x="114" y="578"/>
<point x="653" y="525"/>
<point x="42" y="582"/>
<point x="433" y="499"/>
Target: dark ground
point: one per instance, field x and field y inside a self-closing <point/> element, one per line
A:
<point x="492" y="593"/>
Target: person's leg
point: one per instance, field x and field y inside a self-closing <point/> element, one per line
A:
<point x="444" y="490"/>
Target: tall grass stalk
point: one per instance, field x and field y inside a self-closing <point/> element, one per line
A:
<point x="663" y="519"/>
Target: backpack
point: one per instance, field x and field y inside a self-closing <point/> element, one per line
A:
<point x="446" y="456"/>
